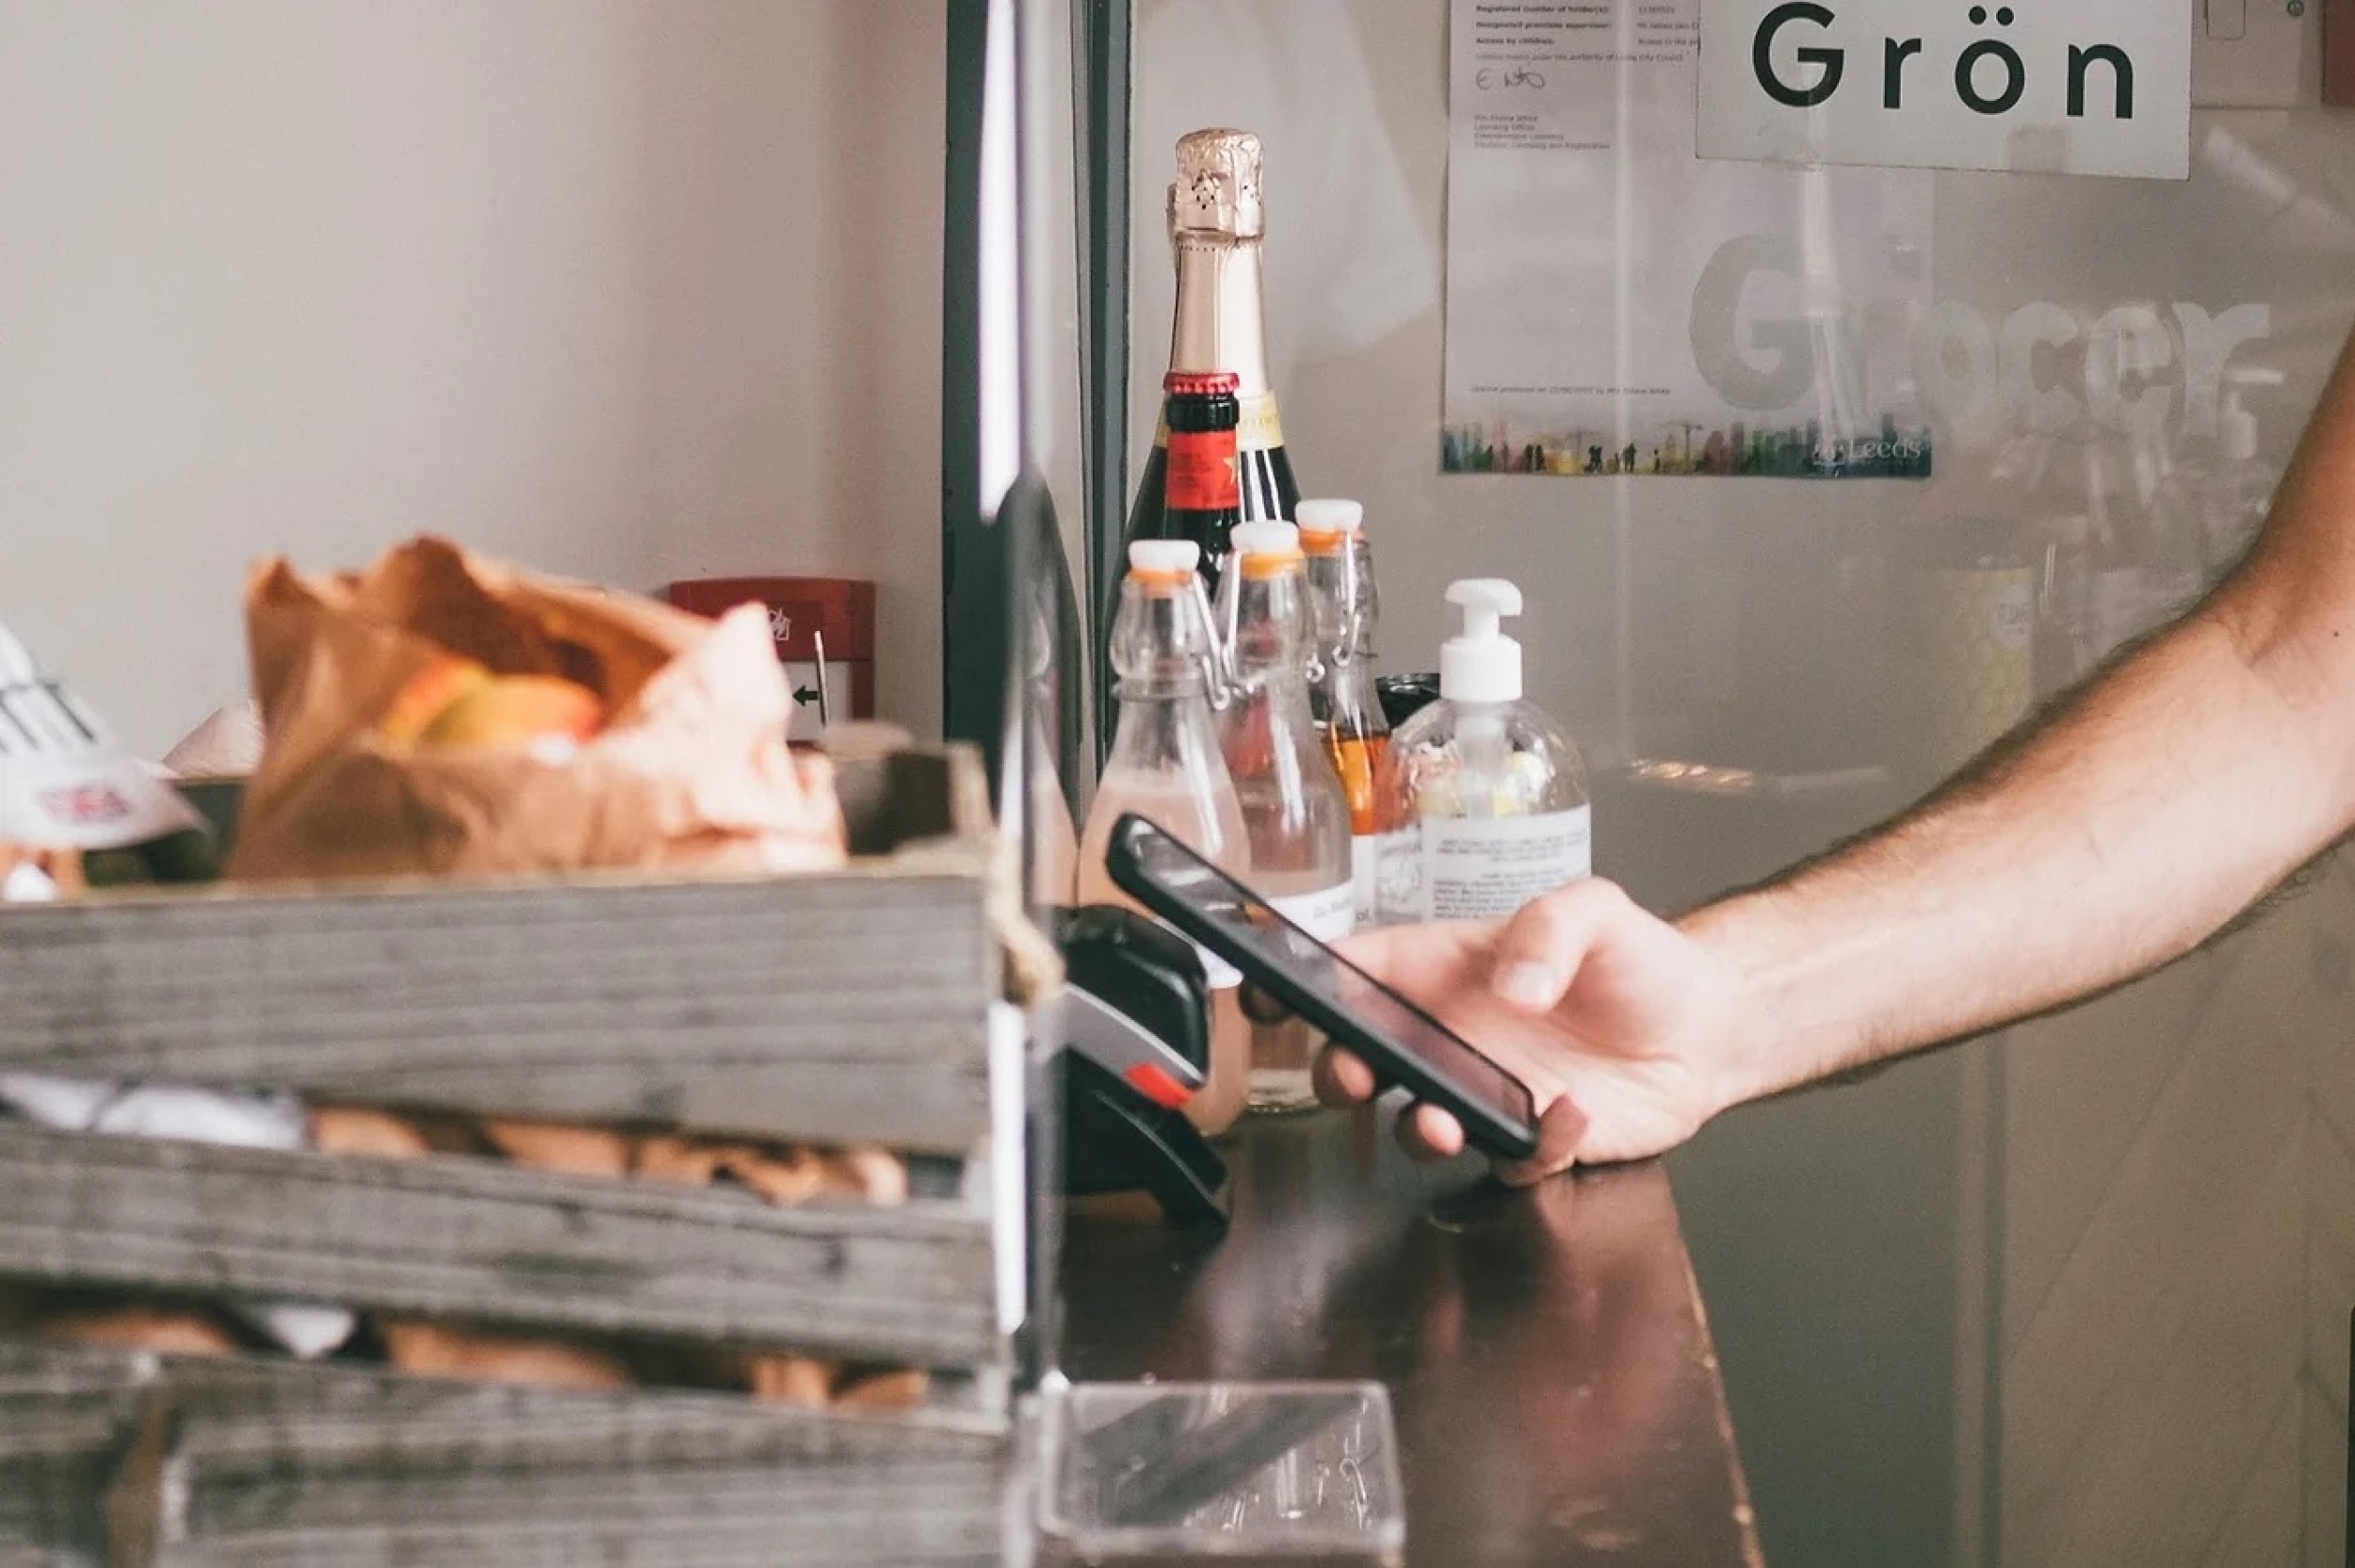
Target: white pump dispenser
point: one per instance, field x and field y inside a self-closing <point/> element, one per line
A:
<point x="1483" y="665"/>
<point x="1497" y="790"/>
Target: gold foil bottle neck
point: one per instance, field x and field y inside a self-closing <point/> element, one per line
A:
<point x="1217" y="190"/>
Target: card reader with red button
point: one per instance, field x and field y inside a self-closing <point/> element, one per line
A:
<point x="1136" y="1023"/>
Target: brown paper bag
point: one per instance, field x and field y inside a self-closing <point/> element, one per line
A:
<point x="691" y="768"/>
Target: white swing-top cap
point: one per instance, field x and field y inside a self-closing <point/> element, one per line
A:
<point x="1483" y="665"/>
<point x="1331" y="517"/>
<point x="1164" y="554"/>
<point x="1265" y="538"/>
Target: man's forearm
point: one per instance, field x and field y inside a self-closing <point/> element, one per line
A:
<point x="2151" y="809"/>
<point x="2142" y="817"/>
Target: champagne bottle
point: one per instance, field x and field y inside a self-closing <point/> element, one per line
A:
<point x="1216" y="224"/>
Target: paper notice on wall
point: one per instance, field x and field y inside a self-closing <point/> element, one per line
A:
<point x="1615" y="305"/>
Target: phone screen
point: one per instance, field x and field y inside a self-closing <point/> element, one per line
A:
<point x="1345" y="989"/>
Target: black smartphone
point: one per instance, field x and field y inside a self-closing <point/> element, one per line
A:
<point x="1398" y="1040"/>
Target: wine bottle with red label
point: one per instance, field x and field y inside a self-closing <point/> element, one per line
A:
<point x="1217" y="225"/>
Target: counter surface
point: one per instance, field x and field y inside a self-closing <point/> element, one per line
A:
<point x="1555" y="1388"/>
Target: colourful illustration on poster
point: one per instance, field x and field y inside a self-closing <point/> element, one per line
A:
<point x="1686" y="449"/>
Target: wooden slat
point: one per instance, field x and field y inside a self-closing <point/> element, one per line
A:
<point x="40" y="1427"/>
<point x="270" y="1462"/>
<point x="847" y="1008"/>
<point x="240" y="1417"/>
<point x="478" y="1239"/>
<point x="925" y="1504"/>
<point x="51" y="1504"/>
<point x="66" y="1417"/>
<point x="893" y="801"/>
<point x="14" y="1555"/>
<point x="761" y="1519"/>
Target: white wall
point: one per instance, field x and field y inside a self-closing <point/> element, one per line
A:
<point x="796" y="225"/>
<point x="619" y="288"/>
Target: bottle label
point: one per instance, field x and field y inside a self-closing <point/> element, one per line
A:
<point x="1261" y="428"/>
<point x="1202" y="476"/>
<point x="1486" y="869"/>
<point x="1388" y="876"/>
<point x="1329" y="916"/>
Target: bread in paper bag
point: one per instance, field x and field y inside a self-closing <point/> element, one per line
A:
<point x="689" y="769"/>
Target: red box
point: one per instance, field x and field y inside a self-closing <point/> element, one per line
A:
<point x="802" y="611"/>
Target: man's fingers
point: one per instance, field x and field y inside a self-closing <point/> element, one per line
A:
<point x="1260" y="1007"/>
<point x="1418" y="959"/>
<point x="1342" y="1079"/>
<point x="1560" y="1131"/>
<point x="1376" y="948"/>
<point x="1427" y="1132"/>
<point x="1539" y="952"/>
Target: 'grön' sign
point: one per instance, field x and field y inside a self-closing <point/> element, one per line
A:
<point x="2065" y="87"/>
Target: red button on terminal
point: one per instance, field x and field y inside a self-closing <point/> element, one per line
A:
<point x="1157" y="1086"/>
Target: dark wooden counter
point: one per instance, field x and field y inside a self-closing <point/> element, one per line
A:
<point x="1555" y="1389"/>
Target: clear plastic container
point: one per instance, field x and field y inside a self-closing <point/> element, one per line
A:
<point x="1497" y="790"/>
<point x="1171" y="1473"/>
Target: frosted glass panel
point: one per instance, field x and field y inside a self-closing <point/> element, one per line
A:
<point x="2077" y="1293"/>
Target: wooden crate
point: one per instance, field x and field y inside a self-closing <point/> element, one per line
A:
<point x="847" y="1008"/>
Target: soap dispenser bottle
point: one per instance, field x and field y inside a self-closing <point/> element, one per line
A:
<point x="1496" y="789"/>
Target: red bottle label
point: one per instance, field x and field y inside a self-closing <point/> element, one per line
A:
<point x="1202" y="472"/>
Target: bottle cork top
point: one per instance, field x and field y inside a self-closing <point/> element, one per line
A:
<point x="1217" y="190"/>
<point x="1267" y="549"/>
<point x="1161" y="557"/>
<point x="1326" y="525"/>
<point x="1266" y="538"/>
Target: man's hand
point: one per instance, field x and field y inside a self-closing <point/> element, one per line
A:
<point x="1622" y="1026"/>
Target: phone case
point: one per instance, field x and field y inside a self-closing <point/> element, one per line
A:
<point x="1487" y="1130"/>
